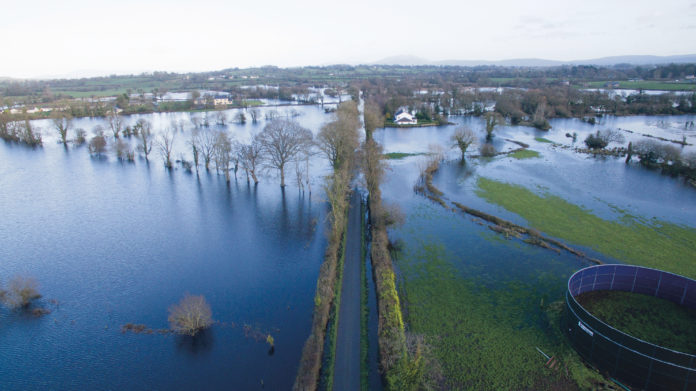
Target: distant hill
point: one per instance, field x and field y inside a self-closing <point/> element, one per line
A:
<point x="538" y="62"/>
<point x="404" y="60"/>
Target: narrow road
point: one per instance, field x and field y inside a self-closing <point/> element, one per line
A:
<point x="347" y="369"/>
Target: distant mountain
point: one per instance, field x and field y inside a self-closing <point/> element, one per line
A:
<point x="537" y="62"/>
<point x="403" y="60"/>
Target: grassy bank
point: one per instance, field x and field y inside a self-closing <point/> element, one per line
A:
<point x="524" y="154"/>
<point x="646" y="317"/>
<point x="653" y="243"/>
<point x="420" y="124"/>
<point x="313" y="351"/>
<point x="327" y="297"/>
<point x="327" y="368"/>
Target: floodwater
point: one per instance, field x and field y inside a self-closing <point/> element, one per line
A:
<point x="514" y="280"/>
<point x="112" y="243"/>
<point x="599" y="184"/>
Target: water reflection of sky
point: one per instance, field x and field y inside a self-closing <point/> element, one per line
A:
<point x="595" y="183"/>
<point x="119" y="242"/>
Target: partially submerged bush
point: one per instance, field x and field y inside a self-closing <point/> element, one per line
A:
<point x="123" y="150"/>
<point x="488" y="150"/>
<point x="191" y="315"/>
<point x="392" y="215"/>
<point x="97" y="145"/>
<point x="20" y="292"/>
<point x="80" y="136"/>
<point x="602" y="138"/>
<point x="38" y="312"/>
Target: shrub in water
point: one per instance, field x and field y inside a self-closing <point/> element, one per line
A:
<point x="20" y="292"/>
<point x="191" y="315"/>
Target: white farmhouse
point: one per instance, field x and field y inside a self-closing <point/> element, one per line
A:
<point x="222" y="100"/>
<point x="403" y="117"/>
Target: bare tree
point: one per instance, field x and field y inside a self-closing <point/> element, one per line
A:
<point x="240" y="118"/>
<point x="80" y="136"/>
<point x="299" y="176"/>
<point x="20" y="292"/>
<point x="191" y="315"/>
<point x="206" y="143"/>
<point x="97" y="145"/>
<point x="195" y="144"/>
<point x="221" y="118"/>
<point x="250" y="157"/>
<point x="492" y="120"/>
<point x="223" y="153"/>
<point x="5" y="126"/>
<point x="373" y="166"/>
<point x="98" y="130"/>
<point x="282" y="141"/>
<point x="339" y="138"/>
<point x="195" y="120"/>
<point x="115" y="122"/>
<point x="373" y="119"/>
<point x="254" y="114"/>
<point x="145" y="137"/>
<point x="463" y="137"/>
<point x="123" y="150"/>
<point x="178" y="126"/>
<point x="165" y="143"/>
<point x="63" y="123"/>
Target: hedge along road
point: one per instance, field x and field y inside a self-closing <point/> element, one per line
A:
<point x="347" y="364"/>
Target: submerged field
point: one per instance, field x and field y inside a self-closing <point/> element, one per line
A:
<point x="645" y="317"/>
<point x="113" y="242"/>
<point x="631" y="239"/>
<point x="484" y="302"/>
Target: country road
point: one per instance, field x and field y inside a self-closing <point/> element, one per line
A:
<point x="347" y="366"/>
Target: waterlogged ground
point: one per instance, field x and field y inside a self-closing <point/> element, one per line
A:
<point x="112" y="243"/>
<point x="486" y="303"/>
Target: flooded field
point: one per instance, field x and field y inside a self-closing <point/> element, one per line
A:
<point x="486" y="301"/>
<point x="113" y="242"/>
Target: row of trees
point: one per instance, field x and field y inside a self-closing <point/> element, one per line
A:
<point x="281" y="143"/>
<point x="338" y="141"/>
<point x="22" y="132"/>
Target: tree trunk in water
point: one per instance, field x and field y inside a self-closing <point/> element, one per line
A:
<point x="629" y="153"/>
<point x="282" y="176"/>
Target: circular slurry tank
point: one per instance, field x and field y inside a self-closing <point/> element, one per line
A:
<point x="635" y="362"/>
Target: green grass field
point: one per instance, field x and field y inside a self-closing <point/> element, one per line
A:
<point x="524" y="154"/>
<point x="543" y="140"/>
<point x="646" y="317"/>
<point x="634" y="240"/>
<point x="484" y="338"/>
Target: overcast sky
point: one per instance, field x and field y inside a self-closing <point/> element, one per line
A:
<point x="76" y="37"/>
